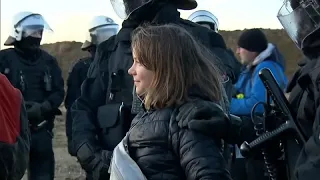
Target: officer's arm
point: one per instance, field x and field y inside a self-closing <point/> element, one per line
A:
<point x="74" y="85"/>
<point x="308" y="161"/>
<point x="84" y="115"/>
<point x="57" y="94"/>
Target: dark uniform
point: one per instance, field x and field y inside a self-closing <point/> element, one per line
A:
<point x="304" y="87"/>
<point x="37" y="75"/>
<point x="77" y="74"/>
<point x="109" y="87"/>
<point x="304" y="98"/>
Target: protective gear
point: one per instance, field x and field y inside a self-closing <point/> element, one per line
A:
<point x="101" y="28"/>
<point x="86" y="44"/>
<point x="124" y="8"/>
<point x="205" y="17"/>
<point x="29" y="45"/>
<point x="27" y="24"/>
<point x="300" y="19"/>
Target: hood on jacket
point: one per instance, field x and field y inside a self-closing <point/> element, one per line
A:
<point x="271" y="53"/>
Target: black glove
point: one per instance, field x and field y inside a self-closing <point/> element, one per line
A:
<point x="34" y="111"/>
<point x="101" y="171"/>
<point x="94" y="160"/>
<point x="46" y="107"/>
<point x="211" y="120"/>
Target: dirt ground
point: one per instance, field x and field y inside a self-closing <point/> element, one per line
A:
<point x="67" y="167"/>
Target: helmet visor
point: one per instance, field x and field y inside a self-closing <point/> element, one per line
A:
<point x="103" y="33"/>
<point x="34" y="26"/>
<point x="87" y="43"/>
<point x="124" y="8"/>
<point x="299" y="20"/>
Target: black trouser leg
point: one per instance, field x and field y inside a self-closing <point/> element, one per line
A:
<point x="42" y="162"/>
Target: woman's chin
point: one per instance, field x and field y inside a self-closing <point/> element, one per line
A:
<point x="140" y="92"/>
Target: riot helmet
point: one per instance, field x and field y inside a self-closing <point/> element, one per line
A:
<point x="88" y="46"/>
<point x="300" y="19"/>
<point x="27" y="25"/>
<point x="205" y="18"/>
<point x="101" y="28"/>
<point x="124" y="8"/>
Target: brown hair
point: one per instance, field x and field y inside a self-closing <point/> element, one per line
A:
<point x="178" y="61"/>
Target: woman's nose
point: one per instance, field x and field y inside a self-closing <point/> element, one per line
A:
<point x="131" y="70"/>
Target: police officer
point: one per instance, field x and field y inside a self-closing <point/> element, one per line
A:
<point x="109" y="88"/>
<point x="210" y="21"/>
<point x="37" y="75"/>
<point x="301" y="20"/>
<point x="101" y="28"/>
<point x="77" y="73"/>
<point x="206" y="19"/>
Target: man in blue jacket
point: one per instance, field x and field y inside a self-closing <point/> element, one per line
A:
<point x="255" y="54"/>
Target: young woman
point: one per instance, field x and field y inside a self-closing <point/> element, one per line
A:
<point x="170" y="71"/>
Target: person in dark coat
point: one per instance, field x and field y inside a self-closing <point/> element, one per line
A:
<point x="99" y="31"/>
<point x="77" y="75"/>
<point x="97" y="126"/>
<point x="170" y="85"/>
<point x="101" y="28"/>
<point x="304" y="86"/>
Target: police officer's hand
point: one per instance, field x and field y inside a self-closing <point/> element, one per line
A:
<point x="33" y="111"/>
<point x="101" y="171"/>
<point x="95" y="161"/>
<point x="211" y="120"/>
<point x="46" y="107"/>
